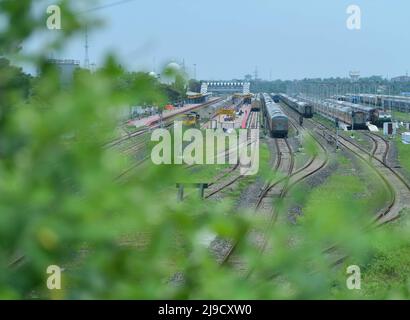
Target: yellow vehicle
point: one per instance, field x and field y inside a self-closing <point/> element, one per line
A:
<point x="228" y="112"/>
<point x="191" y="119"/>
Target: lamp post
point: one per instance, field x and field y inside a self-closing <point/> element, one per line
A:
<point x="353" y="117"/>
<point x="337" y="133"/>
<point x="160" y="118"/>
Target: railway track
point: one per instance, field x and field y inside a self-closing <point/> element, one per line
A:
<point x="167" y="123"/>
<point x="269" y="201"/>
<point x="128" y="170"/>
<point x="135" y="148"/>
<point x="253" y="120"/>
<point x="381" y="147"/>
<point x="234" y="173"/>
<point x="393" y="181"/>
<point x="265" y="204"/>
<point x="398" y="187"/>
<point x="116" y="142"/>
<point x="316" y="162"/>
<point x="138" y="146"/>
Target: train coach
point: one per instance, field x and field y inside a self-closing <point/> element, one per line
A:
<point x="399" y="103"/>
<point x="275" y="97"/>
<point x="303" y="108"/>
<point x="332" y="110"/>
<point x="375" y="115"/>
<point x="256" y="104"/>
<point x="275" y="120"/>
<point x="385" y="102"/>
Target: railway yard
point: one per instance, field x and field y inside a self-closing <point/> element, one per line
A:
<point x="300" y="153"/>
<point x="204" y="159"/>
<point x="316" y="165"/>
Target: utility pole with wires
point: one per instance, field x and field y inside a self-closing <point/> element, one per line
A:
<point x="105" y="6"/>
<point x="86" y="56"/>
<point x="183" y="66"/>
<point x="337" y="133"/>
<point x="256" y="73"/>
<point x="161" y="119"/>
<point x="108" y="5"/>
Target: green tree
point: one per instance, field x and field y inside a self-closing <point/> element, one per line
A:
<point x="194" y="85"/>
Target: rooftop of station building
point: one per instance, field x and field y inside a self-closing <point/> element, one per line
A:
<point x="191" y="94"/>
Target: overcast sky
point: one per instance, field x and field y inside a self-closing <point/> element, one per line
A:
<point x="286" y="39"/>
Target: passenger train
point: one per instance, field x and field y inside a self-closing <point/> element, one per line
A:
<point x="376" y="115"/>
<point x="256" y="103"/>
<point x="275" y="120"/>
<point x="303" y="108"/>
<point x="344" y="113"/>
<point x="399" y="103"/>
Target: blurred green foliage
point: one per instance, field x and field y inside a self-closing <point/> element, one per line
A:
<point x="61" y="202"/>
<point x="387" y="274"/>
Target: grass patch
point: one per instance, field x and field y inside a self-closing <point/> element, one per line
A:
<point x="386" y="276"/>
<point x="359" y="137"/>
<point x="301" y="158"/>
<point x="206" y="173"/>
<point x="265" y="158"/>
<point x="403" y="154"/>
<point x="337" y="210"/>
<point x="265" y="171"/>
<point x="401" y="116"/>
<point x="324" y="121"/>
<point x="352" y="192"/>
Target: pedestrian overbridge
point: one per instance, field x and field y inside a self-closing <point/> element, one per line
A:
<point x="223" y="87"/>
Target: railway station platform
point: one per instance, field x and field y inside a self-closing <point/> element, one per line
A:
<point x="247" y="112"/>
<point x="218" y="121"/>
<point x="195" y="98"/>
<point x="149" y="121"/>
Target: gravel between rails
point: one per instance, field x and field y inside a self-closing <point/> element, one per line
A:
<point x="248" y="198"/>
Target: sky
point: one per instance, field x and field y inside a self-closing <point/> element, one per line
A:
<point x="226" y="39"/>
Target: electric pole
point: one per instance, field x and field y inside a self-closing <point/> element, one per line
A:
<point x="86" y="57"/>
